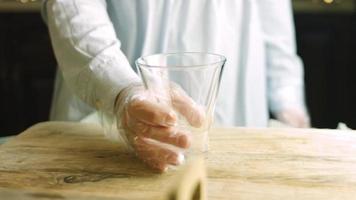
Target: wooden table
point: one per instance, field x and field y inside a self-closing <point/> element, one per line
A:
<point x="243" y="163"/>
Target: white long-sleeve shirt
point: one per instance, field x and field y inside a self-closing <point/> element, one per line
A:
<point x="96" y="43"/>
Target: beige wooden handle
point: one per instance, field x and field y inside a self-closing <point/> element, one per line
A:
<point x="191" y="182"/>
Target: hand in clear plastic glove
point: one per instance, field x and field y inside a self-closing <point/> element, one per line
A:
<point x="150" y="127"/>
<point x="294" y="117"/>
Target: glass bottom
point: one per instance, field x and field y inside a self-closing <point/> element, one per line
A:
<point x="199" y="143"/>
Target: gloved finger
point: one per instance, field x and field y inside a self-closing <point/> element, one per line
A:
<point x="194" y="113"/>
<point x="294" y="118"/>
<point x="156" y="156"/>
<point x="304" y="123"/>
<point x="151" y="112"/>
<point x="169" y="135"/>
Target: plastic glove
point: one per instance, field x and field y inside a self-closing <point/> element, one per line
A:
<point x="150" y="126"/>
<point x="294" y="117"/>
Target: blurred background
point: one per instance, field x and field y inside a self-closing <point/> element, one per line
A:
<point x="326" y="39"/>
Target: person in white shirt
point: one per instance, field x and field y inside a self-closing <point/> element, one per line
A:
<point x="96" y="43"/>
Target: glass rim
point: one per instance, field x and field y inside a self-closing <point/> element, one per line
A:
<point x="222" y="59"/>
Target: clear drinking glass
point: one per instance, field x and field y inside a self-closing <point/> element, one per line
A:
<point x="197" y="75"/>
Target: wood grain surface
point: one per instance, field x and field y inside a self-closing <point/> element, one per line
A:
<point x="242" y="163"/>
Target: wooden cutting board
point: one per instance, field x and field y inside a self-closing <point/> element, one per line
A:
<point x="74" y="161"/>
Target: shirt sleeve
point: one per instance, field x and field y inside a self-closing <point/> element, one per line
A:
<point x="88" y="50"/>
<point x="285" y="74"/>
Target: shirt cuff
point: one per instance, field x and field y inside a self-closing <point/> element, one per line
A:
<point x="103" y="80"/>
